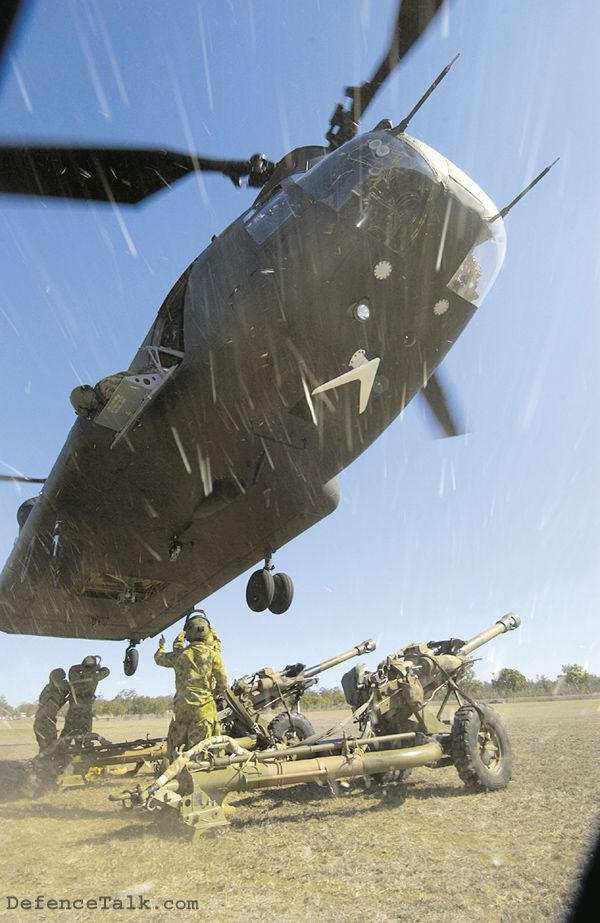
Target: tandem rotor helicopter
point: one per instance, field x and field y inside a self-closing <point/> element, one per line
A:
<point x="320" y="313"/>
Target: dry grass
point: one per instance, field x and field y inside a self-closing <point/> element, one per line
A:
<point x="426" y="851"/>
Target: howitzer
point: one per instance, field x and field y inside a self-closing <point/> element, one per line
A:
<point x="86" y="754"/>
<point x="400" y="691"/>
<point x="396" y="731"/>
<point x="508" y="622"/>
<point x="252" y="703"/>
<point x="272" y="697"/>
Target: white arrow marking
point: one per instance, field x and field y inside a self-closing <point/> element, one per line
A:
<point x="365" y="373"/>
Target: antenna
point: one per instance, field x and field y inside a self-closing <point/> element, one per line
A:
<point x="504" y="211"/>
<point x="401" y="127"/>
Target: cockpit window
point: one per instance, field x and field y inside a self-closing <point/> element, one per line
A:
<point x="167" y="332"/>
<point x="477" y="273"/>
<point x="261" y="222"/>
<point x="382" y="182"/>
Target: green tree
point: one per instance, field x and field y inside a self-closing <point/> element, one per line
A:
<point x="26" y="708"/>
<point x="324" y="698"/>
<point x="509" y="681"/>
<point x="126" y="695"/>
<point x="5" y="709"/>
<point x="576" y="676"/>
<point x="469" y="682"/>
<point x="546" y="686"/>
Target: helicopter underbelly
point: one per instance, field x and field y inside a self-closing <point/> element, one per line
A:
<point x="116" y="569"/>
<point x="237" y="454"/>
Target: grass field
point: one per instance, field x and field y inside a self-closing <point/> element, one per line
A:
<point x="422" y="851"/>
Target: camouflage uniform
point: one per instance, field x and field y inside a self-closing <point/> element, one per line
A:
<point x="214" y="641"/>
<point x="83" y="680"/>
<point x="52" y="697"/>
<point x="199" y="676"/>
<point x="87" y="401"/>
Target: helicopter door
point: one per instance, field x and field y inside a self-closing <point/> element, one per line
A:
<point x="156" y="362"/>
<point x="133" y="394"/>
<point x="167" y="333"/>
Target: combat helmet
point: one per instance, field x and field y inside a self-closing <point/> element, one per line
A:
<point x="84" y="400"/>
<point x="91" y="661"/>
<point x="197" y="627"/>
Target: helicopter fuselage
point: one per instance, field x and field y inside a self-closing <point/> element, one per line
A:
<point x="382" y="250"/>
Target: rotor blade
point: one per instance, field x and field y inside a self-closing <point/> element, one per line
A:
<point x="413" y="19"/>
<point x="111" y="174"/>
<point x="440" y="405"/>
<point x="8" y="16"/>
<point x="22" y="480"/>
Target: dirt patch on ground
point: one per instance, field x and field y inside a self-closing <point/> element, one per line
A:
<point x="422" y="851"/>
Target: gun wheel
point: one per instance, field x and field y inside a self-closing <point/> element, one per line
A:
<point x="289" y="729"/>
<point x="391" y="777"/>
<point x="481" y="749"/>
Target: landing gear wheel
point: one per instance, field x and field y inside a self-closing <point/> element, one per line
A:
<point x="260" y="590"/>
<point x="289" y="729"/>
<point x="481" y="749"/>
<point x="283" y="595"/>
<point x="130" y="663"/>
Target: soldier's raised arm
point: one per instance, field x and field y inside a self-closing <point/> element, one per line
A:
<point x="179" y="642"/>
<point x="58" y="680"/>
<point x="165" y="658"/>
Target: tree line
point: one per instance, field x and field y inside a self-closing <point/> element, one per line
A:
<point x="508" y="683"/>
<point x="574" y="680"/>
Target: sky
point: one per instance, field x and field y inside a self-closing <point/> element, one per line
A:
<point x="433" y="538"/>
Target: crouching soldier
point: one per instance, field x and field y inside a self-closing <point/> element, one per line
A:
<point x="83" y="681"/>
<point x="52" y="698"/>
<point x="199" y="677"/>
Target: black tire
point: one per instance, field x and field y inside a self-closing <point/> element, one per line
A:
<point x="283" y="594"/>
<point x="481" y="751"/>
<point x="260" y="590"/>
<point x="291" y="728"/>
<point x="24" y="511"/>
<point x="391" y="777"/>
<point x="130" y="663"/>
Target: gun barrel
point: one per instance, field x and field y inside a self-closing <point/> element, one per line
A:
<point x="365" y="648"/>
<point x="508" y="622"/>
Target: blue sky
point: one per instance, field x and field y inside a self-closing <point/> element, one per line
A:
<point x="433" y="537"/>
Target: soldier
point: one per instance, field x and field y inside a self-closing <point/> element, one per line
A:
<point x="83" y="680"/>
<point x="199" y="676"/>
<point x="87" y="401"/>
<point x="52" y="698"/>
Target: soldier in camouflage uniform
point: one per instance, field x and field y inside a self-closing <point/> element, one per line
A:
<point x="87" y="401"/>
<point x="52" y="698"/>
<point x="83" y="680"/>
<point x="199" y="676"/>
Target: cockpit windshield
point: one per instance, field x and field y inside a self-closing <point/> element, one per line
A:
<point x="381" y="181"/>
<point x="477" y="273"/>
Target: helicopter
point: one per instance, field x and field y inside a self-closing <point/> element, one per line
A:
<point x="281" y="354"/>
